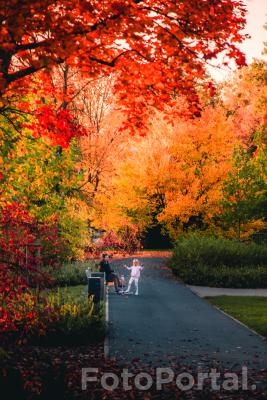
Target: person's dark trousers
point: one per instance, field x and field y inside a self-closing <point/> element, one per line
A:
<point x="113" y="278"/>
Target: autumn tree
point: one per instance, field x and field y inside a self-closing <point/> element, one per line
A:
<point x="245" y="100"/>
<point x="155" y="48"/>
<point x="179" y="171"/>
<point x="136" y="188"/>
<point x="244" y="97"/>
<point x="176" y="172"/>
<point x="43" y="180"/>
<point x="95" y="107"/>
<point x="245" y="190"/>
<point x="98" y="110"/>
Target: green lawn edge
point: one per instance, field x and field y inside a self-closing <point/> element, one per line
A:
<point x="250" y="310"/>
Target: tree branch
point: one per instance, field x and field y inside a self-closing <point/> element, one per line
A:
<point x="30" y="46"/>
<point x="112" y="63"/>
<point x="22" y="73"/>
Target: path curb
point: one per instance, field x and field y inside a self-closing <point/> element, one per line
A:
<point x="106" y="341"/>
<point x="239" y="322"/>
<point x="228" y="315"/>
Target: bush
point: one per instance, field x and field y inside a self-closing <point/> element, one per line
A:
<point x="125" y="241"/>
<point x="243" y="277"/>
<point x="22" y="314"/>
<point x="25" y="315"/>
<point x="211" y="261"/>
<point x="59" y="317"/>
<point x="78" y="320"/>
<point x="73" y="274"/>
<point x="213" y="252"/>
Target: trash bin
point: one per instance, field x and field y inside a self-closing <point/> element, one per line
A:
<point x="102" y="276"/>
<point x="96" y="288"/>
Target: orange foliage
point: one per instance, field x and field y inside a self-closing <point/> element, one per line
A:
<point x="245" y="98"/>
<point x="176" y="171"/>
<point x="201" y="161"/>
<point x="155" y="48"/>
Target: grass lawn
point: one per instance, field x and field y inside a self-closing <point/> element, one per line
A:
<point x="252" y="311"/>
<point x="72" y="293"/>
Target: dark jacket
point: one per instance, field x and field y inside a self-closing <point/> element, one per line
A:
<point x="104" y="266"/>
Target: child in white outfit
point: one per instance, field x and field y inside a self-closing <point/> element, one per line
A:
<point x="135" y="269"/>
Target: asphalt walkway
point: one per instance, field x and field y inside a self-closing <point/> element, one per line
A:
<point x="169" y="324"/>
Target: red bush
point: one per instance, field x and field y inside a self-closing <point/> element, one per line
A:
<point x="26" y="249"/>
<point x="126" y="240"/>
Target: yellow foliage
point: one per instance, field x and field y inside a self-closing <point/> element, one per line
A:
<point x="67" y="308"/>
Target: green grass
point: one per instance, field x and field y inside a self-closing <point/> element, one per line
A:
<point x="75" y="292"/>
<point x="72" y="274"/>
<point x="252" y="311"/>
<point x="72" y="293"/>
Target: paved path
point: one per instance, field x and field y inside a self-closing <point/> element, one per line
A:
<point x="204" y="291"/>
<point x="167" y="323"/>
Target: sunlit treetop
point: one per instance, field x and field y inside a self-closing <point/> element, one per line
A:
<point x="155" y="47"/>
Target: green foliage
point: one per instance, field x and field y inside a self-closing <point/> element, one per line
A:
<point x="245" y="189"/>
<point x="196" y="249"/>
<point x="72" y="274"/>
<point x="211" y="261"/>
<point x="45" y="179"/>
<point x="78" y="321"/>
<point x="239" y="277"/>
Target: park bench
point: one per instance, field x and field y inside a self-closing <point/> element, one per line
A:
<point x="90" y="274"/>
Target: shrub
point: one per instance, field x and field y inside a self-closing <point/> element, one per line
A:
<point x="78" y="322"/>
<point x="56" y="318"/>
<point x="211" y="261"/>
<point x="22" y="314"/>
<point x="27" y="247"/>
<point x="243" y="277"/>
<point x="73" y="274"/>
<point x="213" y="252"/>
<point x="130" y="239"/>
<point x="126" y="241"/>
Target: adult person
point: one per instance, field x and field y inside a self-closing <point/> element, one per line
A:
<point x="104" y="266"/>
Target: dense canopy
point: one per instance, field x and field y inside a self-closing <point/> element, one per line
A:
<point x="157" y="48"/>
